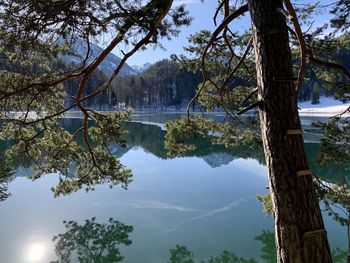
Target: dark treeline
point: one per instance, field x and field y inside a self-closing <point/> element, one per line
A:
<point x="97" y="79"/>
<point x="322" y="81"/>
<point x="166" y="86"/>
<point x="162" y="86"/>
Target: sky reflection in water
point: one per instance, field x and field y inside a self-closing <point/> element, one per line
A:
<point x="206" y="202"/>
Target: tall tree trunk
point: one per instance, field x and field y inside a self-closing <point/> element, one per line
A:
<point x="299" y="228"/>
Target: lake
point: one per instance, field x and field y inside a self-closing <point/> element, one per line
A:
<point x="205" y="201"/>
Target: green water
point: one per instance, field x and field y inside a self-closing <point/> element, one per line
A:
<point x="206" y="201"/>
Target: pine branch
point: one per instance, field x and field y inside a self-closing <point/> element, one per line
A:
<point x="240" y="11"/>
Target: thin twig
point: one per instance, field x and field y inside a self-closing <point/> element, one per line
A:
<point x="240" y="11"/>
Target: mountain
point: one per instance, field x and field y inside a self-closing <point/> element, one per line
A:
<point x="217" y="159"/>
<point x="141" y="68"/>
<point x="108" y="65"/>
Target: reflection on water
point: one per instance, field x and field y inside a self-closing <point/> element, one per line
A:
<point x="36" y="253"/>
<point x="205" y="201"/>
<point x="92" y="242"/>
<point x="268" y="248"/>
<point x="6" y="176"/>
<point x="100" y="243"/>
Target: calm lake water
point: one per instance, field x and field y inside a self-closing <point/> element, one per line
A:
<point x="206" y="201"/>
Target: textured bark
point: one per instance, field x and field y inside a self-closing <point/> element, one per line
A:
<point x="299" y="228"/>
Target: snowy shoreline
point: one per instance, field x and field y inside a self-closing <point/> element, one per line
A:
<point x="327" y="107"/>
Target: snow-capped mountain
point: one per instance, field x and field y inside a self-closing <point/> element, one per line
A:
<point x="218" y="159"/>
<point x="108" y="65"/>
<point x="141" y="68"/>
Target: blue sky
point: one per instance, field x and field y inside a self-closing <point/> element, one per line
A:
<point x="202" y="14"/>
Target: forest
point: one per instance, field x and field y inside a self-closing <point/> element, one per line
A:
<point x="246" y="83"/>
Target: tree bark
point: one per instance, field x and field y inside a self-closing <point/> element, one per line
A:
<point x="299" y="229"/>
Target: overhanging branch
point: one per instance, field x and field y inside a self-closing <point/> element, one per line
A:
<point x="250" y="107"/>
<point x="240" y="11"/>
<point x="301" y="41"/>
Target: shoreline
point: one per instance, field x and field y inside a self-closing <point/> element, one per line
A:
<point x="310" y="112"/>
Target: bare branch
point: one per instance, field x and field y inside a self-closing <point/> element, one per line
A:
<point x="251" y="94"/>
<point x="240" y="11"/>
<point x="301" y="41"/>
<point x="218" y="10"/>
<point x="240" y="62"/>
<point x="328" y="64"/>
<point x="250" y="107"/>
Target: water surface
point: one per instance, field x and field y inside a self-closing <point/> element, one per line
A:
<point x="206" y="201"/>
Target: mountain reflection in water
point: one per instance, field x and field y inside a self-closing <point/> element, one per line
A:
<point x="204" y="201"/>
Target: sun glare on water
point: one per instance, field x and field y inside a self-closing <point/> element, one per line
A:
<point x="36" y="253"/>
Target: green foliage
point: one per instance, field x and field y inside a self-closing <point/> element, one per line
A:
<point x="181" y="134"/>
<point x="330" y="81"/>
<point x="38" y="20"/>
<point x="218" y="60"/>
<point x="266" y="202"/>
<point x="37" y="88"/>
<point x="92" y="242"/>
<point x="232" y="101"/>
<point x="226" y="87"/>
<point x="341" y="12"/>
<point x="339" y="256"/>
<point x="228" y="257"/>
<point x="5" y="177"/>
<point x="181" y="254"/>
<point x="336" y="199"/>
<point x="335" y="146"/>
<point x="268" y="249"/>
<point x="107" y="127"/>
<point x="52" y="149"/>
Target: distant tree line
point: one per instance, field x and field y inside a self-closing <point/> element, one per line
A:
<point x="323" y="82"/>
<point x="97" y="78"/>
<point x="165" y="85"/>
<point x="161" y="86"/>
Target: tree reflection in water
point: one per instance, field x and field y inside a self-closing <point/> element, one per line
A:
<point x="268" y="247"/>
<point x="6" y="176"/>
<point x="92" y="242"/>
<point x="181" y="254"/>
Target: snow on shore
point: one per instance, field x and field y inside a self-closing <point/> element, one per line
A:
<point x="327" y="107"/>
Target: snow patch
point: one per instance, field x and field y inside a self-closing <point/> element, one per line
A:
<point x="327" y="107"/>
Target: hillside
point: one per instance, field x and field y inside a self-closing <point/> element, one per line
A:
<point x="161" y="86"/>
<point x="108" y="66"/>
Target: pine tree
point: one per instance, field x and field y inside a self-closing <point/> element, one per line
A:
<point x="28" y="34"/>
<point x="299" y="228"/>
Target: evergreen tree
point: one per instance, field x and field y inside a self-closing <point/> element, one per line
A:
<point x="161" y="86"/>
<point x="33" y="36"/>
<point x="299" y="229"/>
<point x="28" y="36"/>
